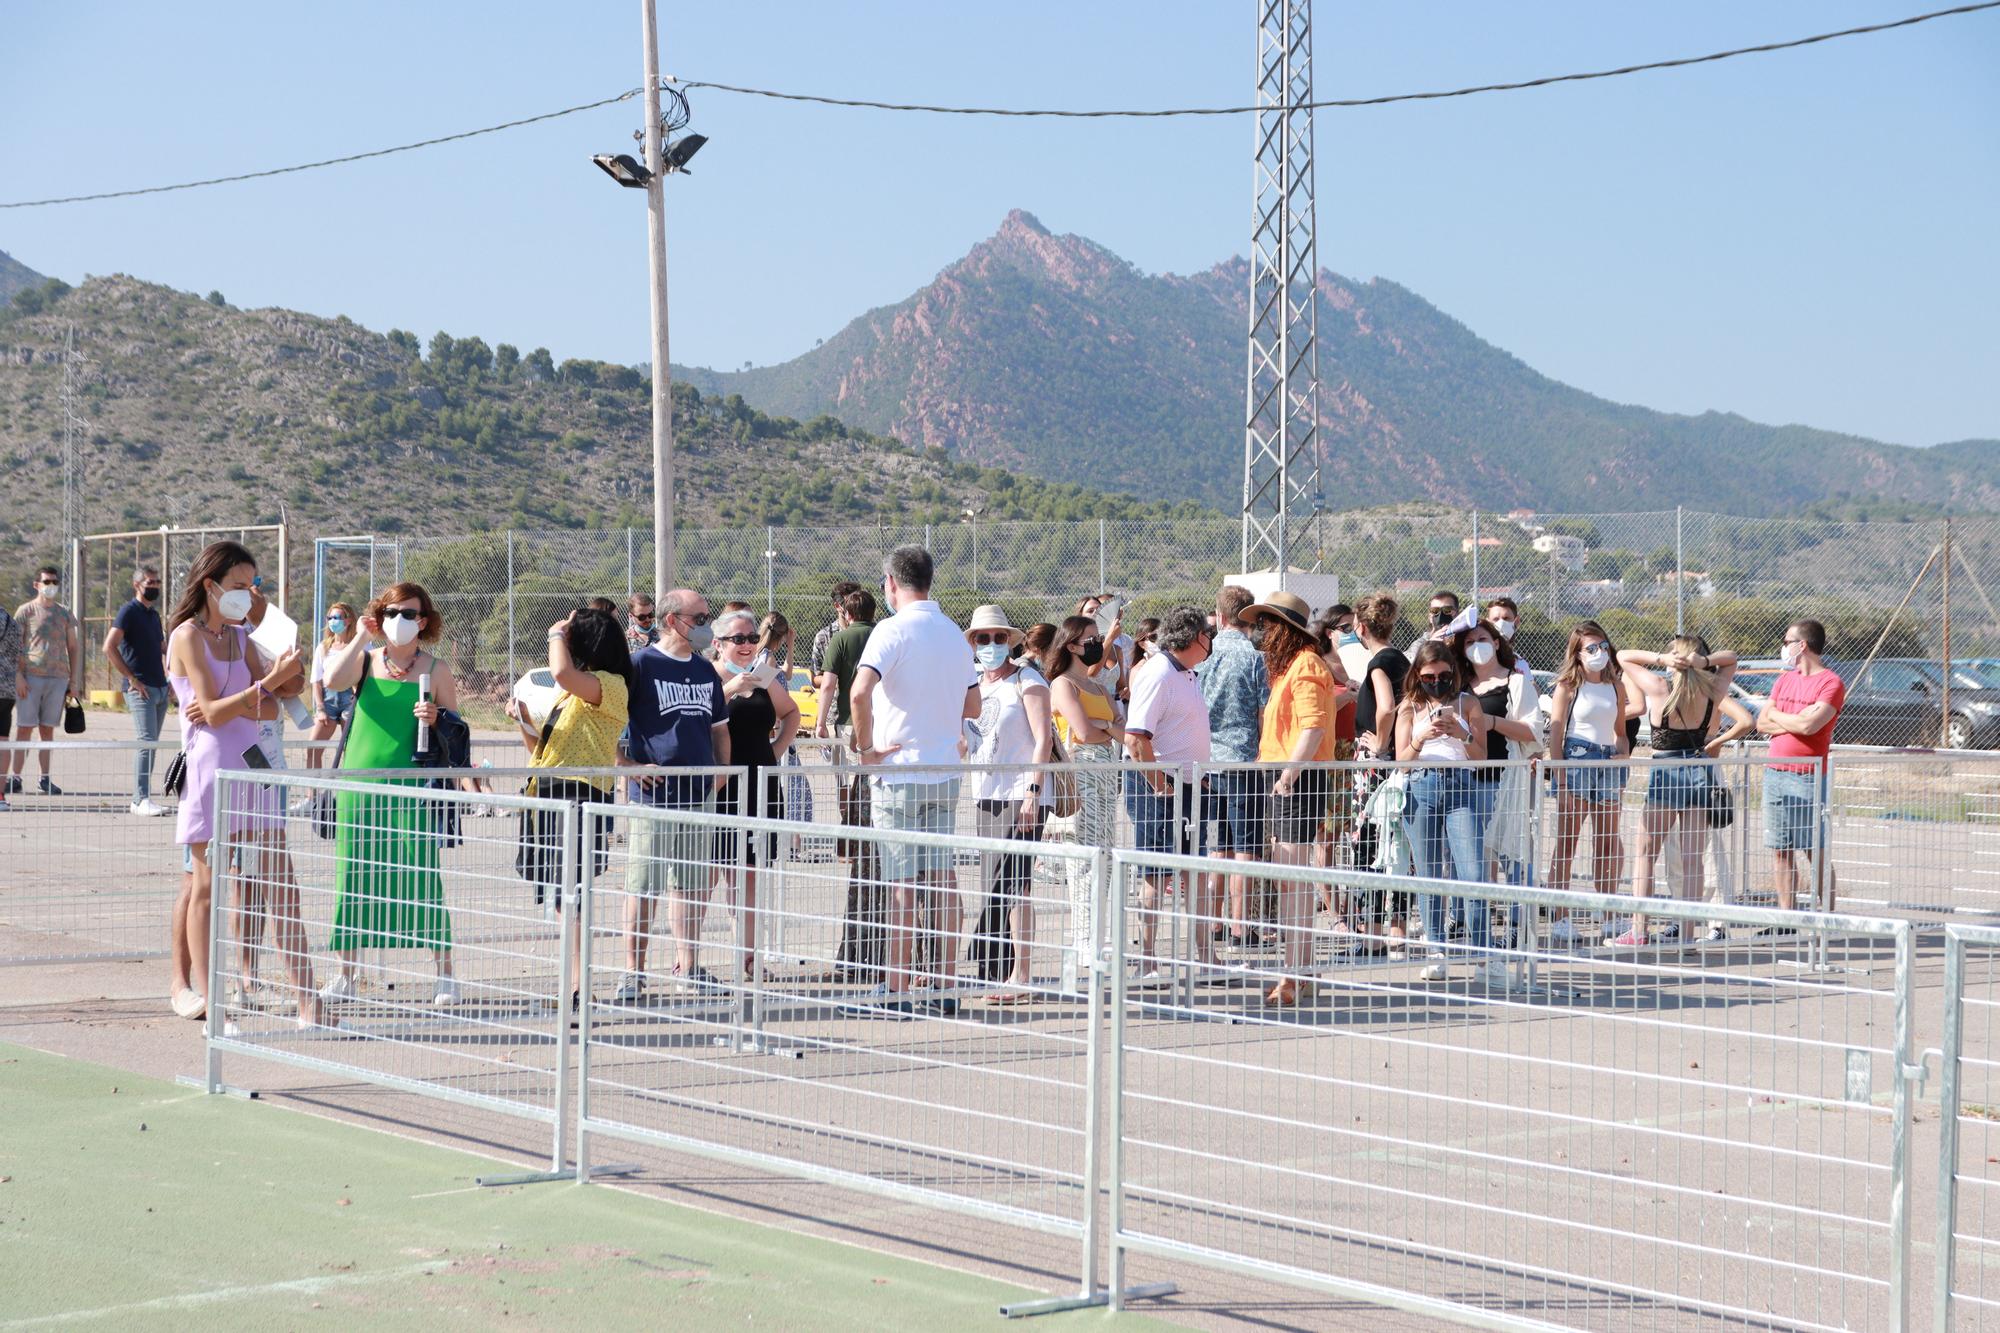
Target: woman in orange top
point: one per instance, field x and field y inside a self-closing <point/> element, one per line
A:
<point x="1298" y="731"/>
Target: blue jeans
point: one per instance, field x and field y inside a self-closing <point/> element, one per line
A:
<point x="148" y="704"/>
<point x="1447" y="840"/>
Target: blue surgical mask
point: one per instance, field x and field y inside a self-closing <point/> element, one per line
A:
<point x="1348" y="639"/>
<point x="336" y="625"/>
<point x="990" y="656"/>
<point x="735" y="670"/>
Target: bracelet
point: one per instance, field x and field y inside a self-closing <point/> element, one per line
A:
<point x="1035" y="787"/>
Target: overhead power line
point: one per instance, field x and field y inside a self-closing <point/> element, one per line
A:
<point x="337" y="161"/>
<point x="1339" y="103"/>
<point x="1327" y="104"/>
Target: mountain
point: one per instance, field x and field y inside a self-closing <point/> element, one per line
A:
<point x="195" y="411"/>
<point x="1051" y="354"/>
<point x="16" y="276"/>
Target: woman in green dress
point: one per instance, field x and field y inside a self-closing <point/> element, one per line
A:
<point x="391" y="895"/>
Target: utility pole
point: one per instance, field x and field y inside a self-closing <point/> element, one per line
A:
<point x="664" y="564"/>
<point x="1281" y="447"/>
<point x="1944" y="702"/>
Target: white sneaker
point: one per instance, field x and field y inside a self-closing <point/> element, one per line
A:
<point x="1435" y="969"/>
<point x="446" y="994"/>
<point x="631" y="985"/>
<point x="338" y="990"/>
<point x="1496" y="976"/>
<point x="146" y="809"/>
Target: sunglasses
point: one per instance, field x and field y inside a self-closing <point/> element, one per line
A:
<point x="406" y="612"/>
<point x="736" y="638"/>
<point x="980" y="640"/>
<point x="701" y="619"/>
<point x="1434" y="675"/>
<point x="642" y="620"/>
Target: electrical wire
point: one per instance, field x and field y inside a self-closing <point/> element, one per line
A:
<point x="1348" y="102"/>
<point x="627" y="95"/>
<point x="670" y="85"/>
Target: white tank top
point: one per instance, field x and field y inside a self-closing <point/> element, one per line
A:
<point x="1445" y="749"/>
<point x="1595" y="715"/>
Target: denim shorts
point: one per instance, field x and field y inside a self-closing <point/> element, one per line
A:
<point x="1236" y="802"/>
<point x="1792" y="804"/>
<point x="337" y="703"/>
<point x="914" y="807"/>
<point x="1676" y="784"/>
<point x="1596" y="786"/>
<point x="1162" y="825"/>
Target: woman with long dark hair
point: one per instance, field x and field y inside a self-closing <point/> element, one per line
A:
<point x="593" y="674"/>
<point x="1587" y="722"/>
<point x="1088" y="717"/>
<point x="219" y="677"/>
<point x="1440" y="725"/>
<point x="391" y="894"/>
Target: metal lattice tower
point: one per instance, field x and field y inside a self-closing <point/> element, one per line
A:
<point x="1281" y="437"/>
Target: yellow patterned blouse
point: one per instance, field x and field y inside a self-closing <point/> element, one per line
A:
<point x="586" y="735"/>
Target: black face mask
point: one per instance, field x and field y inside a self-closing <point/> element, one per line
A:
<point x="1440" y="687"/>
<point x="1439" y="619"/>
<point x="149" y="594"/>
<point x="1257" y="634"/>
<point x="1091" y="653"/>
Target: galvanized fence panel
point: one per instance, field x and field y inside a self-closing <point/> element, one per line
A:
<point x="446" y="978"/>
<point x="924" y="1079"/>
<point x="1610" y="1139"/>
<point x="1966" y="1290"/>
<point x="1917" y="833"/>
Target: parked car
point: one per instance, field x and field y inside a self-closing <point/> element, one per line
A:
<point x="1974" y="723"/>
<point x="1884" y="707"/>
<point x="806" y="695"/>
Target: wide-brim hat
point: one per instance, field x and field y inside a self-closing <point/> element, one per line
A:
<point x="1286" y="606"/>
<point x="989" y="618"/>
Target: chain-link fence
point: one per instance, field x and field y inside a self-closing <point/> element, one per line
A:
<point x="1908" y="594"/>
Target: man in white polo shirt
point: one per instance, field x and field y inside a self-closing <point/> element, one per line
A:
<point x="1167" y="723"/>
<point x="911" y="695"/>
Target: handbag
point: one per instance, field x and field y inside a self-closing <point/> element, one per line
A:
<point x="1721" y="804"/>
<point x="1065" y="792"/>
<point x="72" y="716"/>
<point x="176" y="775"/>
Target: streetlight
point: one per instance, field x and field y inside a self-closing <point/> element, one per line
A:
<point x="664" y="157"/>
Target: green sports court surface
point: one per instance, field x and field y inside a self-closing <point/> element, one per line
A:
<point x="129" y="1202"/>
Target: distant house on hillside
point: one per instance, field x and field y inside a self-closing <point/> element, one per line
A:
<point x="1697" y="581"/>
<point x="1483" y="543"/>
<point x="1570" y="552"/>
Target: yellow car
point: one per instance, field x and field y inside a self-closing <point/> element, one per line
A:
<point x="806" y="695"/>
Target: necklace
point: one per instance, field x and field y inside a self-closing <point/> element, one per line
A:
<point x="392" y="670"/>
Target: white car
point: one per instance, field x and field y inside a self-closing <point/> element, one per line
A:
<point x="537" y="692"/>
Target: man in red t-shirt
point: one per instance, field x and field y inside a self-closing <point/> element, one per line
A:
<point x="1805" y="701"/>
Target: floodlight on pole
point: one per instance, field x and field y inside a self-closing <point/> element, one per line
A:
<point x="624" y="169"/>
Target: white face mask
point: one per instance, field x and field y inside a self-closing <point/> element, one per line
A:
<point x="1506" y="628"/>
<point x="399" y="630"/>
<point x="235" y="604"/>
<point x="1480" y="654"/>
<point x="1597" y="658"/>
<point x="1790" y="654"/>
<point x="47" y="591"/>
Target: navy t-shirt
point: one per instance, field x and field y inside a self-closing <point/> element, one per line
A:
<point x="674" y="703"/>
<point x="143" y="642"/>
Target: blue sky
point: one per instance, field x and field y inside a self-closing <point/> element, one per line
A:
<point x="1801" y="237"/>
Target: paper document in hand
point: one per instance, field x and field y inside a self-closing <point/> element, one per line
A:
<point x="278" y="635"/>
<point x="1107" y="614"/>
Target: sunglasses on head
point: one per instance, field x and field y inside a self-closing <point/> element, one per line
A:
<point x="736" y="638"/>
<point x="406" y="612"/>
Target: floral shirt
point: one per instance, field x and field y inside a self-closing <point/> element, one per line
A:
<point x="1234" y="683"/>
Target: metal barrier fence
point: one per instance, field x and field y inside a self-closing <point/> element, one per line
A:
<point x="82" y="878"/>
<point x="866" y="1053"/>
<point x="1606" y="1139"/>
<point x="1917" y="833"/>
<point x="1966" y="1293"/>
<point x="408" y="864"/>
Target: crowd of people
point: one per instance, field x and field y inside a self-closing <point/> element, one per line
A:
<point x="1213" y="731"/>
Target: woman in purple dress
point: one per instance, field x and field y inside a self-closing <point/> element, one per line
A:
<point x="218" y="676"/>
